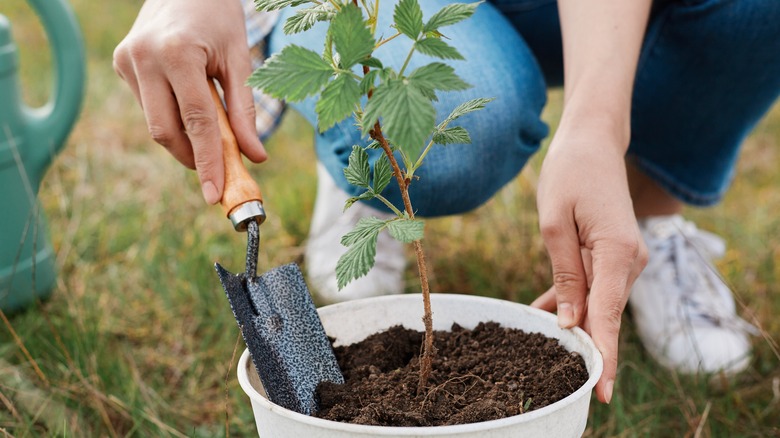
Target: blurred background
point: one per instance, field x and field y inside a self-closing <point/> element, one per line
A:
<point x="139" y="340"/>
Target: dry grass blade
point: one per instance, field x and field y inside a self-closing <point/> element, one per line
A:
<point x="702" y="421"/>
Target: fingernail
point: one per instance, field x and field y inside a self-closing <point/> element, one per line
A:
<point x="565" y="315"/>
<point x="608" y="390"/>
<point x="210" y="192"/>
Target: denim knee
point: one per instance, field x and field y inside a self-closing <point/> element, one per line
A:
<point x="708" y="72"/>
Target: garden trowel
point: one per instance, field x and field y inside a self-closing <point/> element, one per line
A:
<point x="275" y="311"/>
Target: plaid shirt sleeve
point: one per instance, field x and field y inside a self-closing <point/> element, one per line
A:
<point x="268" y="110"/>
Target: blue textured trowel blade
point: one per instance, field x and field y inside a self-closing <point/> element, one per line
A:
<point x="284" y="335"/>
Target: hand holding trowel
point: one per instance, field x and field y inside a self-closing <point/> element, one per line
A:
<point x="277" y="317"/>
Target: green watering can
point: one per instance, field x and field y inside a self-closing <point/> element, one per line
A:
<point x="29" y="140"/>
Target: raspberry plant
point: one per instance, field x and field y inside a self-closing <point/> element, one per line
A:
<point x="393" y="109"/>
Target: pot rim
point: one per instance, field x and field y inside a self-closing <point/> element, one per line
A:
<point x="587" y="387"/>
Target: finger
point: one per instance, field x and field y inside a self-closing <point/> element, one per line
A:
<point x="546" y="301"/>
<point x="608" y="296"/>
<point x="164" y="122"/>
<point x="123" y="67"/>
<point x="241" y="108"/>
<point x="199" y="116"/>
<point x="569" y="277"/>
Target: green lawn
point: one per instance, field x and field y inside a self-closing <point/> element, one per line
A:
<point x="138" y="337"/>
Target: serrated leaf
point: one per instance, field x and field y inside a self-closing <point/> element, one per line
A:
<point x="365" y="196"/>
<point x="327" y="52"/>
<point x="352" y="38"/>
<point x="429" y="94"/>
<point x="357" y="261"/>
<point x="437" y="76"/>
<point x="408" y="117"/>
<point x="372" y="62"/>
<point x="383" y="173"/>
<point x="368" y="81"/>
<point x="449" y="15"/>
<point x="454" y="135"/>
<point x="374" y="145"/>
<point x="465" y="108"/>
<point x="357" y="172"/>
<point x="305" y="19"/>
<point x="408" y="18"/>
<point x="292" y="74"/>
<point x="437" y="48"/>
<point x="337" y="101"/>
<point x="406" y="230"/>
<point x="273" y="5"/>
<point x="365" y="227"/>
<point x="387" y="73"/>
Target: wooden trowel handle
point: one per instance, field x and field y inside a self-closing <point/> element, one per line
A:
<point x="241" y="197"/>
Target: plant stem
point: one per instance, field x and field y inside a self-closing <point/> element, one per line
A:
<point x="388" y="204"/>
<point x="426" y="360"/>
<point x="420" y="160"/>
<point x="406" y="62"/>
<point x="387" y="40"/>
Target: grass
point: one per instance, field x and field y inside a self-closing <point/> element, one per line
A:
<point x="137" y="338"/>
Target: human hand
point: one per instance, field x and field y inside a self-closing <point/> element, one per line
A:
<point x="590" y="231"/>
<point x="171" y="51"/>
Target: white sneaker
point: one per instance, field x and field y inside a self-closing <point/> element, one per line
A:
<point x="684" y="313"/>
<point x="324" y="247"/>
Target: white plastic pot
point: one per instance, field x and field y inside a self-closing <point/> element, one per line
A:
<point x="353" y="321"/>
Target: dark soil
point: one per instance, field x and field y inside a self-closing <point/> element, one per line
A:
<point x="484" y="374"/>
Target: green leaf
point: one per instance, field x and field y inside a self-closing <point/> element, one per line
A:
<point x="408" y="117"/>
<point x="387" y="73"/>
<point x="357" y="261"/>
<point x="408" y="18"/>
<point x="368" y="81"/>
<point x="429" y="93"/>
<point x="337" y="101"/>
<point x="372" y="62"/>
<point x="365" y="227"/>
<point x="437" y="76"/>
<point x="449" y="15"/>
<point x="454" y="135"/>
<point x="406" y="230"/>
<point x="304" y="19"/>
<point x="383" y="173"/>
<point x="292" y="74"/>
<point x="273" y="5"/>
<point x="437" y="48"/>
<point x="360" y="257"/>
<point x="368" y="194"/>
<point x="374" y="145"/>
<point x="353" y="39"/>
<point x="465" y="108"/>
<point x="358" y="172"/>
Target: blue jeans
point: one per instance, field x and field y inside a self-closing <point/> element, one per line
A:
<point x="708" y="71"/>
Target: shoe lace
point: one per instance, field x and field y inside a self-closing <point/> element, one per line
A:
<point x="700" y="292"/>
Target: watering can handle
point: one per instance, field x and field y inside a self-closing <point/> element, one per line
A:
<point x="241" y="197"/>
<point x="50" y="125"/>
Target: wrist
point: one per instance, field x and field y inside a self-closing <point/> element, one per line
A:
<point x="606" y="126"/>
